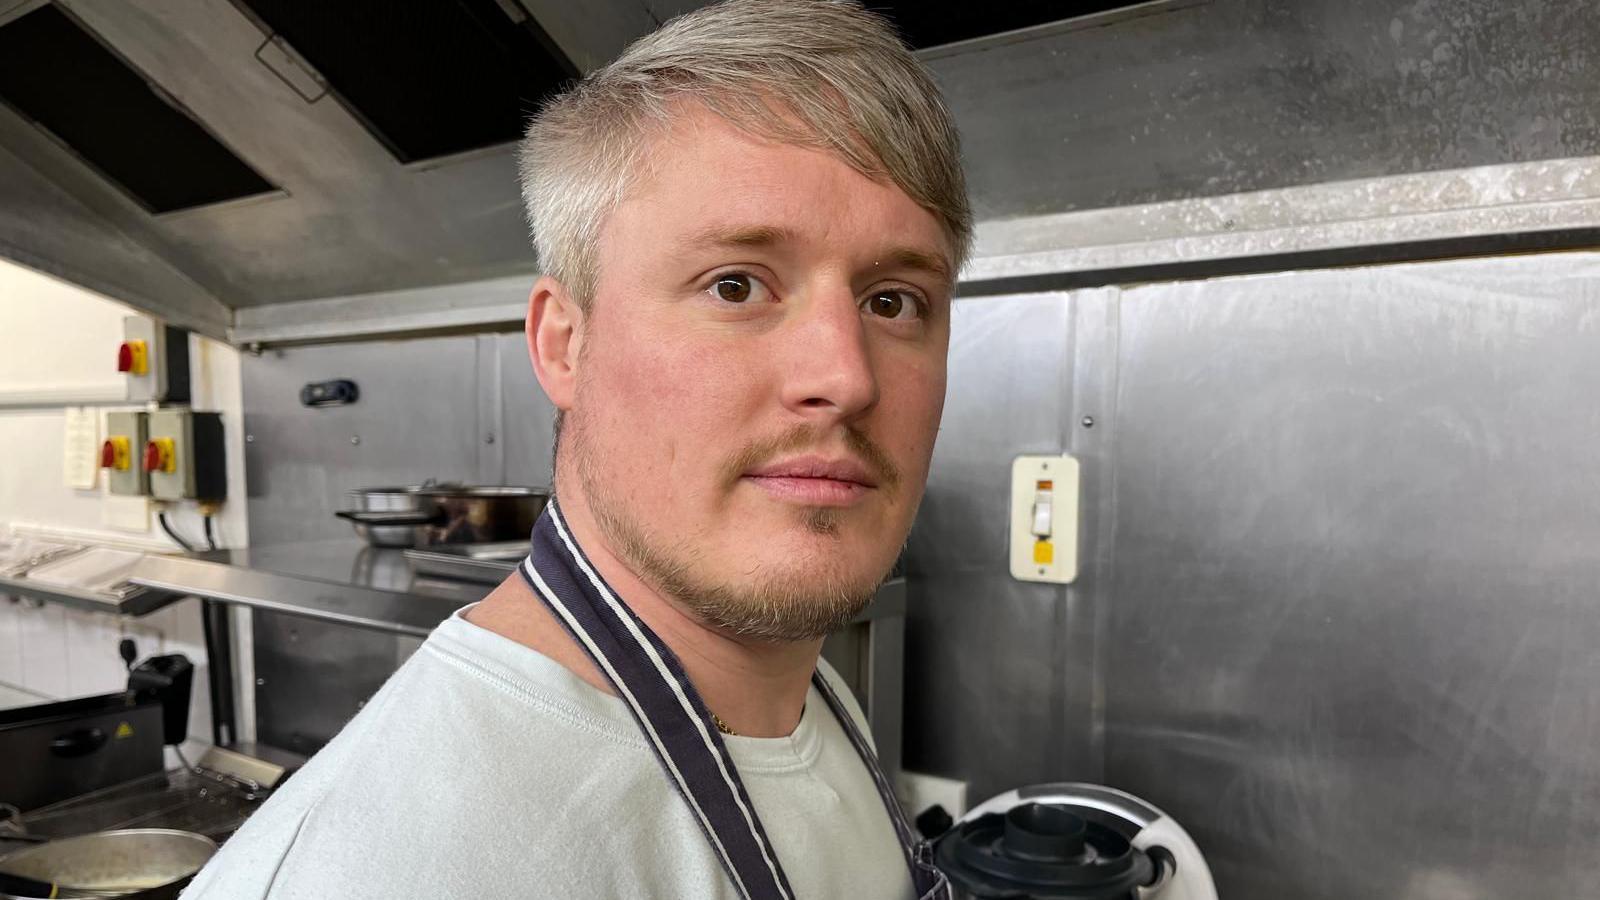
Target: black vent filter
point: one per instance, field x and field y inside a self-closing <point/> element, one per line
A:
<point x="1042" y="851"/>
<point x="930" y="23"/>
<point x="61" y="77"/>
<point x="427" y="77"/>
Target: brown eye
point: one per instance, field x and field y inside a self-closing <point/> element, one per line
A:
<point x="732" y="288"/>
<point x="889" y="304"/>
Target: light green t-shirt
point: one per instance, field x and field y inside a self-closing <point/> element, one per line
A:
<point x="484" y="769"/>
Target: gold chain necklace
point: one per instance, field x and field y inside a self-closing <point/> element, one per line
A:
<point x="721" y="725"/>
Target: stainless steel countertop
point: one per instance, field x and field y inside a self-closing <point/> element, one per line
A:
<point x="342" y="581"/>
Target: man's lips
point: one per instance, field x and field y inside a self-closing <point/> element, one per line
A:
<point x="814" y="480"/>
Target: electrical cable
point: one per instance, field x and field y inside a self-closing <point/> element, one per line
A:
<point x="211" y="536"/>
<point x="166" y="526"/>
<point x="181" y="758"/>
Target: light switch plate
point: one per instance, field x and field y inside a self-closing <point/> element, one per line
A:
<point x="1053" y="558"/>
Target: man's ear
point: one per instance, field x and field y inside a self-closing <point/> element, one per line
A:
<point x="554" y="328"/>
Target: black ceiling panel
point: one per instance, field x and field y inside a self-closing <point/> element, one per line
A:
<point x="427" y="77"/>
<point x="930" y="23"/>
<point x="60" y="76"/>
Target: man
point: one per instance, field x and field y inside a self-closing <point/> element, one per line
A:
<point x="749" y="227"/>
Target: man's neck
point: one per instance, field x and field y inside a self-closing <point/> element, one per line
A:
<point x="756" y="689"/>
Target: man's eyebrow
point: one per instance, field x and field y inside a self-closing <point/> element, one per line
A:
<point x="772" y="235"/>
<point x="740" y="236"/>
<point x="906" y="258"/>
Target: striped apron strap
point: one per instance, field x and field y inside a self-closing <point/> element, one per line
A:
<point x="649" y="679"/>
<point x="929" y="882"/>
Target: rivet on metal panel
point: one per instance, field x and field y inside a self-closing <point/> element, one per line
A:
<point x="249" y="439"/>
<point x="488" y="438"/>
<point x="1087" y="421"/>
<point x="261" y="682"/>
<point x="355" y="439"/>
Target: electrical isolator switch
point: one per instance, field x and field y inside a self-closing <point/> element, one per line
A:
<point x="133" y="357"/>
<point x="160" y="455"/>
<point x="115" y="453"/>
<point x="154" y="360"/>
<point x="184" y="455"/>
<point x="125" y="437"/>
<point x="1044" y="518"/>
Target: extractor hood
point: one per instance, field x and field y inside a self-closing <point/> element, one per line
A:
<point x="223" y="163"/>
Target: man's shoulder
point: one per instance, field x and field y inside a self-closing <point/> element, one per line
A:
<point x="459" y="760"/>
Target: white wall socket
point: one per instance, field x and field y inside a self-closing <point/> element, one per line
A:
<point x="918" y="792"/>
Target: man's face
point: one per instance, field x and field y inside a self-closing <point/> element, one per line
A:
<point x="761" y="375"/>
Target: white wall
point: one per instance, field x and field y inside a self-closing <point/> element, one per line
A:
<point x="58" y="340"/>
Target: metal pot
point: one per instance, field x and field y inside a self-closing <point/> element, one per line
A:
<point x="385" y="500"/>
<point x="457" y="514"/>
<point x="131" y="862"/>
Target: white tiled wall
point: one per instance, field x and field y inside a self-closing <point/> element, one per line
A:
<point x="50" y="652"/>
<point x="62" y="338"/>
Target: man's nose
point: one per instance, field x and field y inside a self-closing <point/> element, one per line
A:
<point x="827" y="367"/>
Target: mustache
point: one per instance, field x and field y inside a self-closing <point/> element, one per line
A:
<point x="806" y="437"/>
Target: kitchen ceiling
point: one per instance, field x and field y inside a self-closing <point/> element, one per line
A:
<point x="932" y="23"/>
<point x="171" y="163"/>
<point x="427" y="79"/>
<point x="333" y="149"/>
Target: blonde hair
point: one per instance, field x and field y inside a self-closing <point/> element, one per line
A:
<point x="817" y="73"/>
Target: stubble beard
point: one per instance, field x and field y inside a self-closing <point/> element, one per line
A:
<point x="779" y="606"/>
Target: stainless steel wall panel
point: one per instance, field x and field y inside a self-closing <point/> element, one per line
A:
<point x="418" y="418"/>
<point x="984" y="653"/>
<point x="1351" y="626"/>
<point x="1243" y="95"/>
<point x="312" y="677"/>
<point x="1338" y="542"/>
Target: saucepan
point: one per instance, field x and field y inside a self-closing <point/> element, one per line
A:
<point x="445" y="514"/>
<point x="144" y="863"/>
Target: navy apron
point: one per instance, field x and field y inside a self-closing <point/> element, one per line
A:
<point x="648" y="678"/>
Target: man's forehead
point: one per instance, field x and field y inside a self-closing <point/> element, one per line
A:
<point x="709" y="183"/>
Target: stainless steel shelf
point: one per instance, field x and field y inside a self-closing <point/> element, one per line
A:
<point x="335" y="581"/>
<point x="139" y="602"/>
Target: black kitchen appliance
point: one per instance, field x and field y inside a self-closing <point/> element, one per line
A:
<point x="54" y="751"/>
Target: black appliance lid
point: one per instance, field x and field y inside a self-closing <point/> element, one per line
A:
<point x="1045" y="851"/>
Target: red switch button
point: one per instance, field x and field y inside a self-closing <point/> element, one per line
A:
<point x="161" y="455"/>
<point x="133" y="357"/>
<point x="114" y="453"/>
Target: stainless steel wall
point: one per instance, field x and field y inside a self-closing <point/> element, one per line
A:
<point x="1353" y="614"/>
<point x="464" y="408"/>
<point x="1337" y="608"/>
